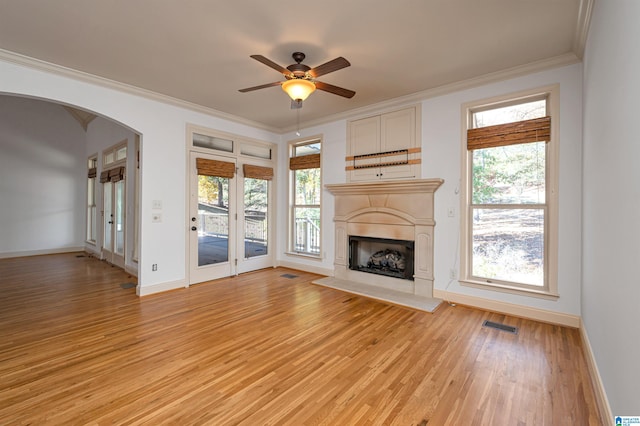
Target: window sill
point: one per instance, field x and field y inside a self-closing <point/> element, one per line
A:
<point x="505" y="288"/>
<point x="304" y="255"/>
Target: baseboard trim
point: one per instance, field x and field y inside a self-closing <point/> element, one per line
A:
<point x="596" y="380"/>
<point x="159" y="288"/>
<point x="543" y="315"/>
<point x="26" y="253"/>
<point x="91" y="251"/>
<point x="306" y="268"/>
<point x="131" y="270"/>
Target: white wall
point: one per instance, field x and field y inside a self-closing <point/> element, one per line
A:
<point x="102" y="134"/>
<point x="42" y="178"/>
<point x="611" y="231"/>
<point x="334" y="148"/>
<point x="162" y="127"/>
<point x="442" y="144"/>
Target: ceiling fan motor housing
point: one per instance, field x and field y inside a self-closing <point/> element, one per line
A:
<point x="298" y="70"/>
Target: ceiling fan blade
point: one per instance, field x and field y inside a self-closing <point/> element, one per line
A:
<point x="270" y="63"/>
<point x="334" y="89"/>
<point x="262" y="86"/>
<point x="331" y="66"/>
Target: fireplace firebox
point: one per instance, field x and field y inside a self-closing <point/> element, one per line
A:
<point x="382" y="256"/>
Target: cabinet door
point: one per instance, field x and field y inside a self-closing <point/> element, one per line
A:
<point x="398" y="131"/>
<point x="364" y="138"/>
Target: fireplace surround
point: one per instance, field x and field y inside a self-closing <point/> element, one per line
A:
<point x="394" y="210"/>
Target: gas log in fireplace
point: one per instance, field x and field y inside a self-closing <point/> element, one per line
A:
<point x="382" y="256"/>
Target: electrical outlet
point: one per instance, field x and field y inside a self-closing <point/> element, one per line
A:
<point x="154" y="267"/>
<point x="452" y="274"/>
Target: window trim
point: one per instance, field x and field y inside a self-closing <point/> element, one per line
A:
<point x="92" y="163"/>
<point x="550" y="288"/>
<point x="291" y="216"/>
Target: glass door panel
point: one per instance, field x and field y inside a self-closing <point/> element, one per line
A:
<point x="256" y="201"/>
<point x="213" y="220"/>
<point x="118" y="218"/>
<point x="255" y="231"/>
<point x="107" y="190"/>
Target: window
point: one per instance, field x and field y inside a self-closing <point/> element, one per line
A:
<point x="91" y="199"/>
<point x="212" y="142"/>
<point x="256" y="150"/>
<point x="116" y="154"/>
<point x="510" y="196"/>
<point x="305" y="182"/>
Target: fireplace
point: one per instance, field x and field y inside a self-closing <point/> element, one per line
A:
<point x="382" y="256"/>
<point x="396" y="211"/>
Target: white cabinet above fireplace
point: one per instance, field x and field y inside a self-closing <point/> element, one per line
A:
<point x="385" y="146"/>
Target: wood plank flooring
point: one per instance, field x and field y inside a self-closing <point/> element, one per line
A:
<point x="262" y="349"/>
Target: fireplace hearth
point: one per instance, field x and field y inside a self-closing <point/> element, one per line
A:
<point x="381" y="256"/>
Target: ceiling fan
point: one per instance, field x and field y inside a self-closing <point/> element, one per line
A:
<point x="301" y="79"/>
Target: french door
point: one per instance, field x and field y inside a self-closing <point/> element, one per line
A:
<point x="228" y="219"/>
<point x="254" y="230"/>
<point x="114" y="222"/>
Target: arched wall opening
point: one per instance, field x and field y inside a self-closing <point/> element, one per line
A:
<point x="163" y="160"/>
<point x="45" y="152"/>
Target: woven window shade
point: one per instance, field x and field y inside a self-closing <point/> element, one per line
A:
<point x="116" y="174"/>
<point x="216" y="168"/>
<point x="257" y="172"/>
<point x="93" y="172"/>
<point x="104" y="176"/>
<point x="311" y="161"/>
<point x="527" y="131"/>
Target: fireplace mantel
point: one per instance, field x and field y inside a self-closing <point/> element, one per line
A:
<point x="393" y="187"/>
<point x="392" y="209"/>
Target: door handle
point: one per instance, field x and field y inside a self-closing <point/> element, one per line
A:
<point x="193" y="228"/>
<point x="110" y="222"/>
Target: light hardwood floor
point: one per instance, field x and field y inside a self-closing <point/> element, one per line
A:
<point x="259" y="349"/>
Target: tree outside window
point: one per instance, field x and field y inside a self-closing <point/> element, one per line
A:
<point x="306" y="192"/>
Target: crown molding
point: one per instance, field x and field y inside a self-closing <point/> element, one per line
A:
<point x="542" y="65"/>
<point x="518" y="71"/>
<point x="582" y="27"/>
<point x="40" y="65"/>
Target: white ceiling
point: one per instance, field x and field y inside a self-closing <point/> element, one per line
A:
<point x="198" y="50"/>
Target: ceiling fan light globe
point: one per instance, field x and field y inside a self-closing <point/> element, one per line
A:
<point x="298" y="89"/>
